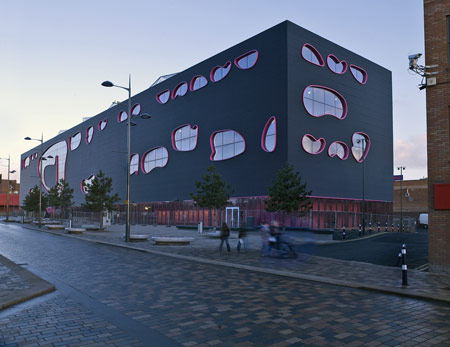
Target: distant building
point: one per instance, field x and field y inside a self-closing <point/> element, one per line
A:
<point x="284" y="95"/>
<point x="412" y="199"/>
<point x="437" y="51"/>
<point x="13" y="196"/>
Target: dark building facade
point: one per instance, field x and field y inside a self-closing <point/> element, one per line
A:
<point x="284" y="95"/>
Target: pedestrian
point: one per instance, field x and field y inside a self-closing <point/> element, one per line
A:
<point x="242" y="242"/>
<point x="224" y="235"/>
<point x="265" y="233"/>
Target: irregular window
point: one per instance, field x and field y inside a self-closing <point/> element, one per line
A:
<point x="156" y="157"/>
<point x="338" y="149"/>
<point x="226" y="144"/>
<point x="320" y="101"/>
<point x="122" y="117"/>
<point x="184" y="138"/>
<point x="247" y="60"/>
<point x="311" y="54"/>
<point x="89" y="134"/>
<point x="35" y="156"/>
<point x="198" y="82"/>
<point x="311" y="145"/>
<point x="55" y="155"/>
<point x="359" y="73"/>
<point x="26" y="162"/>
<point x="163" y="97"/>
<point x="134" y="164"/>
<point x="336" y="65"/>
<point x="269" y="135"/>
<point x="180" y="90"/>
<point x="136" y="110"/>
<point x="74" y="141"/>
<point x="102" y="124"/>
<point x="86" y="183"/>
<point x="360" y="146"/>
<point x="220" y="72"/>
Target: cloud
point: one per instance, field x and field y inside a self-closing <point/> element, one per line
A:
<point x="412" y="154"/>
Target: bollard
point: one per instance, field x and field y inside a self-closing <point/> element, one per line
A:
<point x="398" y="227"/>
<point x="407" y="227"/>
<point x="404" y="267"/>
<point x="359" y="232"/>
<point x="403" y="227"/>
<point x="343" y="233"/>
<point x="370" y="227"/>
<point x="392" y="227"/>
<point x="378" y="226"/>
<point x="200" y="227"/>
<point x="386" y="227"/>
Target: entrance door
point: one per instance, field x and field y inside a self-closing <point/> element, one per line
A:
<point x="232" y="217"/>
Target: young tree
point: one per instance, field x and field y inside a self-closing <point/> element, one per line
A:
<point x="31" y="201"/>
<point x="288" y="193"/>
<point x="212" y="192"/>
<point x="98" y="197"/>
<point x="60" y="196"/>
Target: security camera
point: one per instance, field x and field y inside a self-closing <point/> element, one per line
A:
<point x="413" y="58"/>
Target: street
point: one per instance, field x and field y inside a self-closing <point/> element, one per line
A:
<point x="108" y="295"/>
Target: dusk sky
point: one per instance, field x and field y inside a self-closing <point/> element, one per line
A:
<point x="55" y="54"/>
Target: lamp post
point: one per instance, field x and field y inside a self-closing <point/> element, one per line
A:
<point x="401" y="168"/>
<point x="9" y="188"/>
<point x="144" y="116"/>
<point x="40" y="174"/>
<point x="363" y="149"/>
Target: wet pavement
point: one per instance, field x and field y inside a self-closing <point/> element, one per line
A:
<point x="196" y="296"/>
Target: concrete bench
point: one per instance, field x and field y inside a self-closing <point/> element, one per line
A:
<point x="172" y="240"/>
<point x="55" y="226"/>
<point x="75" y="230"/>
<point x="136" y="237"/>
<point x="91" y="227"/>
<point x="214" y="233"/>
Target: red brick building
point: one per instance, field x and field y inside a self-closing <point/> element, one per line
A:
<point x="411" y="197"/>
<point x="13" y="196"/>
<point x="437" y="51"/>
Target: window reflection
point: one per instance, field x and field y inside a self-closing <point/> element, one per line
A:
<point x="339" y="149"/>
<point x="163" y="97"/>
<point x="156" y="157"/>
<point x="198" y="82"/>
<point x="185" y="138"/>
<point x="89" y="134"/>
<point x="311" y="145"/>
<point x="311" y="54"/>
<point x="226" y="144"/>
<point x="180" y="90"/>
<point x="320" y="101"/>
<point x="335" y="65"/>
<point x="359" y="74"/>
<point x="218" y="73"/>
<point x="74" y="141"/>
<point x="247" y="60"/>
<point x="269" y="135"/>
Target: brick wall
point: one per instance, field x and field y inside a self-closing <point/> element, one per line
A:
<point x="417" y="201"/>
<point x="438" y="103"/>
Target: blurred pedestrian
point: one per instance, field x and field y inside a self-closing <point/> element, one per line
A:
<point x="265" y="234"/>
<point x="242" y="238"/>
<point x="224" y="235"/>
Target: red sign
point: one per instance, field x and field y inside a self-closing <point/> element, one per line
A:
<point x="442" y="196"/>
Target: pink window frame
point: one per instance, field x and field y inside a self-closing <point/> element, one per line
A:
<point x="87" y="135"/>
<point x="119" y="116"/>
<point x="145" y="154"/>
<point x="364" y="72"/>
<point x="346" y="150"/>
<point x="213" y="150"/>
<point x="182" y="126"/>
<point x="191" y="85"/>
<point x="161" y="93"/>
<point x="243" y="56"/>
<point x="339" y="95"/>
<point x="316" y="53"/>
<point x="213" y="70"/>
<point x="323" y="143"/>
<point x="337" y="61"/>
<point x="264" y="133"/>
<point x="175" y="90"/>
<point x="366" y="149"/>
<point x="99" y="127"/>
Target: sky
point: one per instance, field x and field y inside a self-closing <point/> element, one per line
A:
<point x="54" y="55"/>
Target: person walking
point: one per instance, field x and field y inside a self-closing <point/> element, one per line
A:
<point x="242" y="242"/>
<point x="265" y="233"/>
<point x="224" y="235"/>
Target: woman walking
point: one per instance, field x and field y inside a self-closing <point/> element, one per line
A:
<point x="224" y="235"/>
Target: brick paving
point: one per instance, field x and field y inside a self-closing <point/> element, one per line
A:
<point x="200" y="304"/>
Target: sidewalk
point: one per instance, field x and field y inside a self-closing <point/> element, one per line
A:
<point x="422" y="285"/>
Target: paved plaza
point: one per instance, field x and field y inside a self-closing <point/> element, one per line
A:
<point x="195" y="296"/>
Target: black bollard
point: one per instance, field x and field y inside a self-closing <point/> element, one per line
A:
<point x="398" y="227"/>
<point x="403" y="227"/>
<point x="378" y="226"/>
<point x="404" y="267"/>
<point x="343" y="233"/>
<point x="386" y="227"/>
<point x="359" y="231"/>
<point x="392" y="227"/>
<point x="370" y="227"/>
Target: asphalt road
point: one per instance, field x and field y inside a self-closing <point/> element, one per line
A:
<point x="113" y="296"/>
<point x="380" y="250"/>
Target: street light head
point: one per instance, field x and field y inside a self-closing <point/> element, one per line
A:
<point x="145" y="116"/>
<point x="107" y="84"/>
<point x="27" y="138"/>
<point x="13" y="171"/>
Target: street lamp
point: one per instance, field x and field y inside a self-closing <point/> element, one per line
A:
<point x="9" y="188"/>
<point x="129" y="124"/>
<point x="363" y="149"/>
<point x="401" y="168"/>
<point x="40" y="174"/>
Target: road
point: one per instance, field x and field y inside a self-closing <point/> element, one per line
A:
<point x="113" y="296"/>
